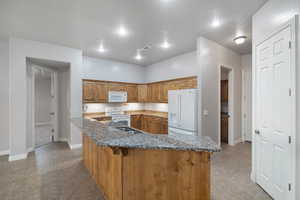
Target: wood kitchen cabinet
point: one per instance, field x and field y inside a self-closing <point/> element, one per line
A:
<point x="142" y="93"/>
<point x="150" y="124"/>
<point x="95" y="91"/>
<point x="100" y="92"/>
<point x="164" y="126"/>
<point x="224" y="90"/>
<point x="116" y="87"/>
<point x="88" y="91"/>
<point x="136" y="121"/>
<point x="164" y="88"/>
<point x="132" y="93"/>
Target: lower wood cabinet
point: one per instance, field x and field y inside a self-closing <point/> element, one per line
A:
<point x="148" y="174"/>
<point x="150" y="124"/>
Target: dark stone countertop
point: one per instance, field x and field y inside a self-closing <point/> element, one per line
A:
<point x="107" y="135"/>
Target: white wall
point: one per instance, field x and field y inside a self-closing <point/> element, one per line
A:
<point x="272" y="15"/>
<point x="211" y="55"/>
<point x="19" y="50"/>
<point x="176" y="67"/>
<point x="100" y="69"/>
<point x="4" y="100"/>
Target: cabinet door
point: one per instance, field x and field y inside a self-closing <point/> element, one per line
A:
<point x="164" y="87"/>
<point x="155" y="92"/>
<point x="144" y="123"/>
<point x="154" y="125"/>
<point x="88" y="91"/>
<point x="116" y="87"/>
<point x="149" y="93"/>
<point x="184" y="84"/>
<point x="142" y="93"/>
<point x="132" y="93"/>
<point x="135" y="121"/>
<point x="101" y="92"/>
<point x="164" y="126"/>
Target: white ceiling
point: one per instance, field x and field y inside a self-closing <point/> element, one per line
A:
<point x="83" y="23"/>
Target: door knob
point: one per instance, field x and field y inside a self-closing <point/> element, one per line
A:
<point x="257" y="132"/>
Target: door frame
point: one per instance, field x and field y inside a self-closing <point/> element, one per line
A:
<point x="245" y="106"/>
<point x="292" y="24"/>
<point x="54" y="81"/>
<point x="231" y="141"/>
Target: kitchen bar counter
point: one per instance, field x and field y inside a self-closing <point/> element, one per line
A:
<point x="144" y="166"/>
<point x="109" y="136"/>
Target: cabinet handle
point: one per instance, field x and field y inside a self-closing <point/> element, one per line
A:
<point x="257" y="132"/>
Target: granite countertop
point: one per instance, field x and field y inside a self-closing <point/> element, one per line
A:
<point x="107" y="135"/>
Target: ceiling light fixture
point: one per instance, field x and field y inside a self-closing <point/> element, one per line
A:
<point x="240" y="40"/>
<point x="215" y="23"/>
<point x="122" y="31"/>
<point x="138" y="55"/>
<point x="165" y="45"/>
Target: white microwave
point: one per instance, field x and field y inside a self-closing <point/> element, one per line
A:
<point x="117" y="96"/>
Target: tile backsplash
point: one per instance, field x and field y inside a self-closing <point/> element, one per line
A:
<point x="100" y="107"/>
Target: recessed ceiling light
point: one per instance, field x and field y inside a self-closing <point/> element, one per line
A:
<point x="215" y="23"/>
<point x="240" y="40"/>
<point x="138" y="56"/>
<point x="122" y="31"/>
<point x="165" y="45"/>
<point x="101" y="48"/>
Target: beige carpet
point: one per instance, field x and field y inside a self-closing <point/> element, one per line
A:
<point x="54" y="172"/>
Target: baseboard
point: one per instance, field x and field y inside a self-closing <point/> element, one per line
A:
<point x="238" y="141"/>
<point x="63" y="140"/>
<point x="30" y="149"/>
<point x="75" y="146"/>
<point x="17" y="157"/>
<point x="5" y="152"/>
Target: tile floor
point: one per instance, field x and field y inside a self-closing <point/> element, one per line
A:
<point x="54" y="172"/>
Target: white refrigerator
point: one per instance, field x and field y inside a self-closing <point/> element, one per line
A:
<point x="183" y="112"/>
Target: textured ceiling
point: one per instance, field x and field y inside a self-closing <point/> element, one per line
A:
<point x="84" y="23"/>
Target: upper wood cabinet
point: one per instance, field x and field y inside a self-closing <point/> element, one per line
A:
<point x="164" y="88"/>
<point x="142" y="93"/>
<point x="88" y="91"/>
<point x="100" y="92"/>
<point x="116" y="87"/>
<point x="132" y="93"/>
<point x="97" y="91"/>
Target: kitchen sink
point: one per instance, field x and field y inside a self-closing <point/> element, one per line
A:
<point x="129" y="130"/>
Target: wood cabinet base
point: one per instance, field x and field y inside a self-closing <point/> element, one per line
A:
<point x="145" y="174"/>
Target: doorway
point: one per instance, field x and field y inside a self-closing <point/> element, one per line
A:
<point x="48" y="98"/>
<point x="226" y="134"/>
<point x="45" y="105"/>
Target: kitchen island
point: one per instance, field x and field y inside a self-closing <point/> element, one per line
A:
<point x="142" y="166"/>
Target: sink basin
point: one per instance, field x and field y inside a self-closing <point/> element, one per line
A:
<point x="129" y="130"/>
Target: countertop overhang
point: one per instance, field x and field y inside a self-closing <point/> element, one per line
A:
<point x="108" y="136"/>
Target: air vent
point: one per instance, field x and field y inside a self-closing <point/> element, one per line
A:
<point x="146" y="48"/>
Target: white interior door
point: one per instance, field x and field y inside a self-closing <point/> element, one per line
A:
<point x="273" y="114"/>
